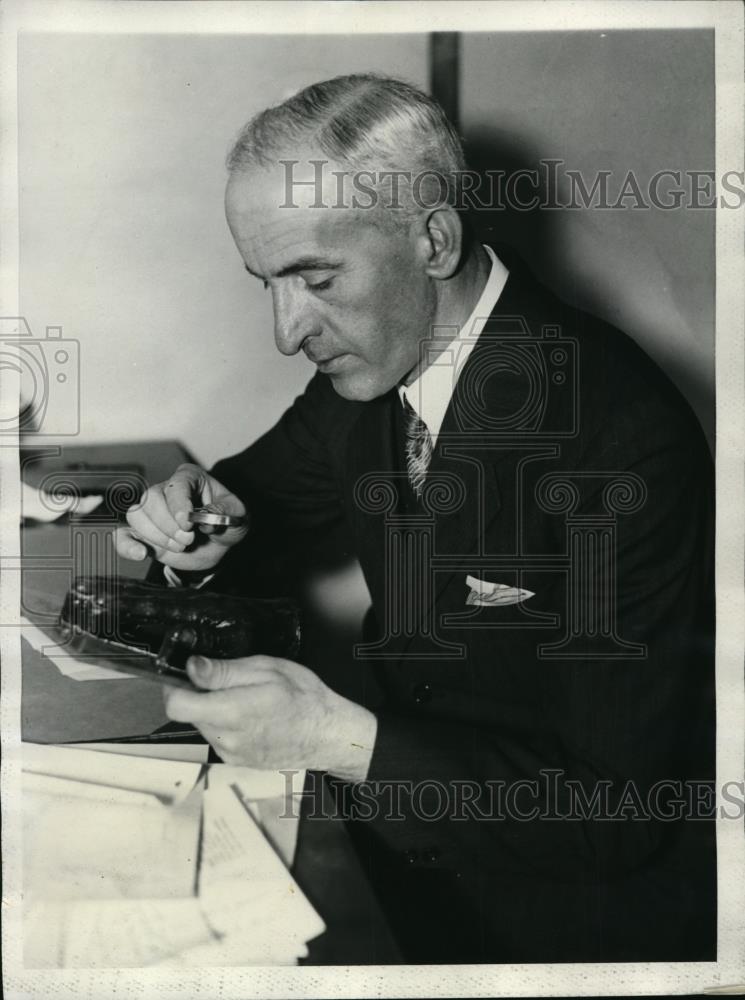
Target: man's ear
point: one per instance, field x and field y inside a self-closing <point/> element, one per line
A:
<point x="440" y="242"/>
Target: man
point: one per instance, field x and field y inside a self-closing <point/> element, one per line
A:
<point x="530" y="501"/>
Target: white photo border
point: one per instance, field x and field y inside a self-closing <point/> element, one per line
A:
<point x="161" y="16"/>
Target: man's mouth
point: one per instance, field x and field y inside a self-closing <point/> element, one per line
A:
<point x="329" y="364"/>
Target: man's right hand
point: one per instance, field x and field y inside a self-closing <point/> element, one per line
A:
<point x="158" y="524"/>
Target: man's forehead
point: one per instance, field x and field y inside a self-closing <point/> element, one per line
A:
<point x="269" y="250"/>
<point x="299" y="181"/>
<point x="274" y="233"/>
<point x="265" y="222"/>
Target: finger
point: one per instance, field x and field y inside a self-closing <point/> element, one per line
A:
<point x="219" y="739"/>
<point x="184" y="706"/>
<point x="218" y="675"/>
<point x="143" y="528"/>
<point x="205" y="708"/>
<point x="187" y="483"/>
<point x="154" y="506"/>
<point x="128" y="546"/>
<point x="225" y="501"/>
<point x="131" y="545"/>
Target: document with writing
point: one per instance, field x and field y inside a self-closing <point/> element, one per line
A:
<point x="132" y="861"/>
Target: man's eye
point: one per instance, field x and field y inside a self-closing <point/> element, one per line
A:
<point x="320" y="286"/>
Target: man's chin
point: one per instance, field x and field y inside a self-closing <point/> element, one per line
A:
<point x="360" y="390"/>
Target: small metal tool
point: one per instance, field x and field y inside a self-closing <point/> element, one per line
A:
<point x="216" y="518"/>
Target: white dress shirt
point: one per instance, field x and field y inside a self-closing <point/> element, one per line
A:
<point x="430" y="393"/>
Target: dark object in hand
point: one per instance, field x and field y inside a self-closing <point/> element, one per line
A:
<point x="142" y="627"/>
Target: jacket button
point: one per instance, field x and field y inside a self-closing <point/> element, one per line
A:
<point x="432" y="855"/>
<point x="422" y="694"/>
<point x="411" y="857"/>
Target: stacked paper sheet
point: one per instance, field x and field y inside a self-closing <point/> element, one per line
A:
<point x="131" y="861"/>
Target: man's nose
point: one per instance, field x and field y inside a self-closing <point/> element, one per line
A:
<point x="293" y="318"/>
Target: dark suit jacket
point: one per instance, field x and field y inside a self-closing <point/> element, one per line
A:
<point x="569" y="465"/>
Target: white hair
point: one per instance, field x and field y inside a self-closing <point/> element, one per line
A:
<point x="363" y="122"/>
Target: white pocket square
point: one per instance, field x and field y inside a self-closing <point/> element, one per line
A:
<point x="487" y="594"/>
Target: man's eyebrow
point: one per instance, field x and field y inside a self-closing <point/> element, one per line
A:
<point x="303" y="264"/>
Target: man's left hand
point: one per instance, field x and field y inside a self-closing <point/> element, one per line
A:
<point x="268" y="713"/>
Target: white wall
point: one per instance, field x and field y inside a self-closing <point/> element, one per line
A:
<point x="124" y="243"/>
<point x="640" y="101"/>
<point x="123" y="237"/>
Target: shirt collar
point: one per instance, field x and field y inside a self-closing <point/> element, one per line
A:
<point x="430" y="393"/>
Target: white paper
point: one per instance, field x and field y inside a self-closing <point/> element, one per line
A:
<point x="76" y="670"/>
<point x="111" y="933"/>
<point x="87" y="842"/>
<point x="273" y="799"/>
<point x="41" y="506"/>
<point x="255" y="784"/>
<point x="246" y="891"/>
<point x="170" y="781"/>
<point x="111" y="842"/>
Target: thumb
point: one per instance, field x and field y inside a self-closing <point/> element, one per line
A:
<point x="128" y="545"/>
<point x="214" y="675"/>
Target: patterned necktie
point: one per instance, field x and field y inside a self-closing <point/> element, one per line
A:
<point x="418" y="448"/>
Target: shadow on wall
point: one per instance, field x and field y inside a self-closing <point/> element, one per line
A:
<point x="603" y="262"/>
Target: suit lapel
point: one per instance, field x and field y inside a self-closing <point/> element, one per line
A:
<point x="475" y="444"/>
<point x="373" y="487"/>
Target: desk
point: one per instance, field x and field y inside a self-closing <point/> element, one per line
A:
<point x="56" y="709"/>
